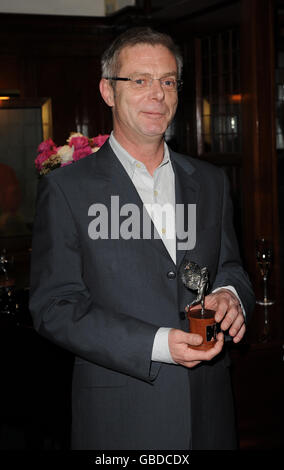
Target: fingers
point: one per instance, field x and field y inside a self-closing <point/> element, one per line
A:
<point x="193" y="357"/>
<point x="181" y="337"/>
<point x="227" y="308"/>
<point x="200" y="355"/>
<point x="182" y="353"/>
<point x="240" y="334"/>
<point x="234" y="322"/>
<point x="237" y="324"/>
<point x="230" y="314"/>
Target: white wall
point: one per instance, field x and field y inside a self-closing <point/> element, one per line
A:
<point x="54" y="7"/>
<point x="111" y="6"/>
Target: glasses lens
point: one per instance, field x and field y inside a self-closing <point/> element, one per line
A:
<point x="140" y="80"/>
<point x="169" y="83"/>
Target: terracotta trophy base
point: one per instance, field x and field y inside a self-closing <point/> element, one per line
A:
<point x="204" y="325"/>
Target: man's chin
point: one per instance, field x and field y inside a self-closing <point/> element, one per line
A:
<point x="153" y="135"/>
<point x="154" y="127"/>
<point x="154" y="131"/>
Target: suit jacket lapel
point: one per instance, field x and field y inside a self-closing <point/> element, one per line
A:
<point x="187" y="191"/>
<point x="109" y="167"/>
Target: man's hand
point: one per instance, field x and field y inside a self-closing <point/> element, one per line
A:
<point x="228" y="312"/>
<point x="182" y="353"/>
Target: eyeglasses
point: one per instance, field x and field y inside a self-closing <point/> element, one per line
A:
<point x="144" y="81"/>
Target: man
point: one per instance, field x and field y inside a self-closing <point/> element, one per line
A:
<point x="116" y="301"/>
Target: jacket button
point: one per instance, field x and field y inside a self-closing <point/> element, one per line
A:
<point x="171" y="275"/>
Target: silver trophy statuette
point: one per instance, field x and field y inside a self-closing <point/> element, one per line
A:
<point x="195" y="278"/>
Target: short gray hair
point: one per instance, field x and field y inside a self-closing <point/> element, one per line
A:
<point x="141" y="35"/>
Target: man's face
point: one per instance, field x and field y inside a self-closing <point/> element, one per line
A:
<point x="144" y="113"/>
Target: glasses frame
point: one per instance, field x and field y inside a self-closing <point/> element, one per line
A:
<point x="128" y="79"/>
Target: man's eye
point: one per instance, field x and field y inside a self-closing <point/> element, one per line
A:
<point x="169" y="83"/>
<point x="140" y="81"/>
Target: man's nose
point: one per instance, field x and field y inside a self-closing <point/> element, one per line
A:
<point x="156" y="90"/>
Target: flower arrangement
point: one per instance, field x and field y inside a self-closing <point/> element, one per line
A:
<point x="78" y="146"/>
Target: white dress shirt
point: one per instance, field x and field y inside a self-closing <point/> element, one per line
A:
<point x="156" y="191"/>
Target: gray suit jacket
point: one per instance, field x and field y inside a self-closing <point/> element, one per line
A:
<point x="105" y="299"/>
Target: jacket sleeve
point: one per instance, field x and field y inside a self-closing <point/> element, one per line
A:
<point x="61" y="305"/>
<point x="230" y="270"/>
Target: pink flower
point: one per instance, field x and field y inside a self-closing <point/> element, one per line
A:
<point x="78" y="147"/>
<point x="81" y="152"/>
<point x="81" y="147"/>
<point x="45" y="150"/>
<point x="79" y="142"/>
<point x="47" y="146"/>
<point x="40" y="159"/>
<point x="100" y="139"/>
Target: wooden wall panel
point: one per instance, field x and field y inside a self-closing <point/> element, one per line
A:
<point x="72" y="84"/>
<point x="260" y="216"/>
<point x="57" y="57"/>
<point x="9" y="72"/>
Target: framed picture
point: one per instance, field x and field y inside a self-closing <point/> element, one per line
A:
<point x="24" y="124"/>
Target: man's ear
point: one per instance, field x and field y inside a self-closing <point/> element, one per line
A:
<point x="107" y="92"/>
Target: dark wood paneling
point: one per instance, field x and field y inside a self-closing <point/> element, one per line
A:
<point x="260" y="217"/>
<point x="257" y="372"/>
<point x="72" y="83"/>
<point x="9" y="76"/>
<point x="58" y="57"/>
